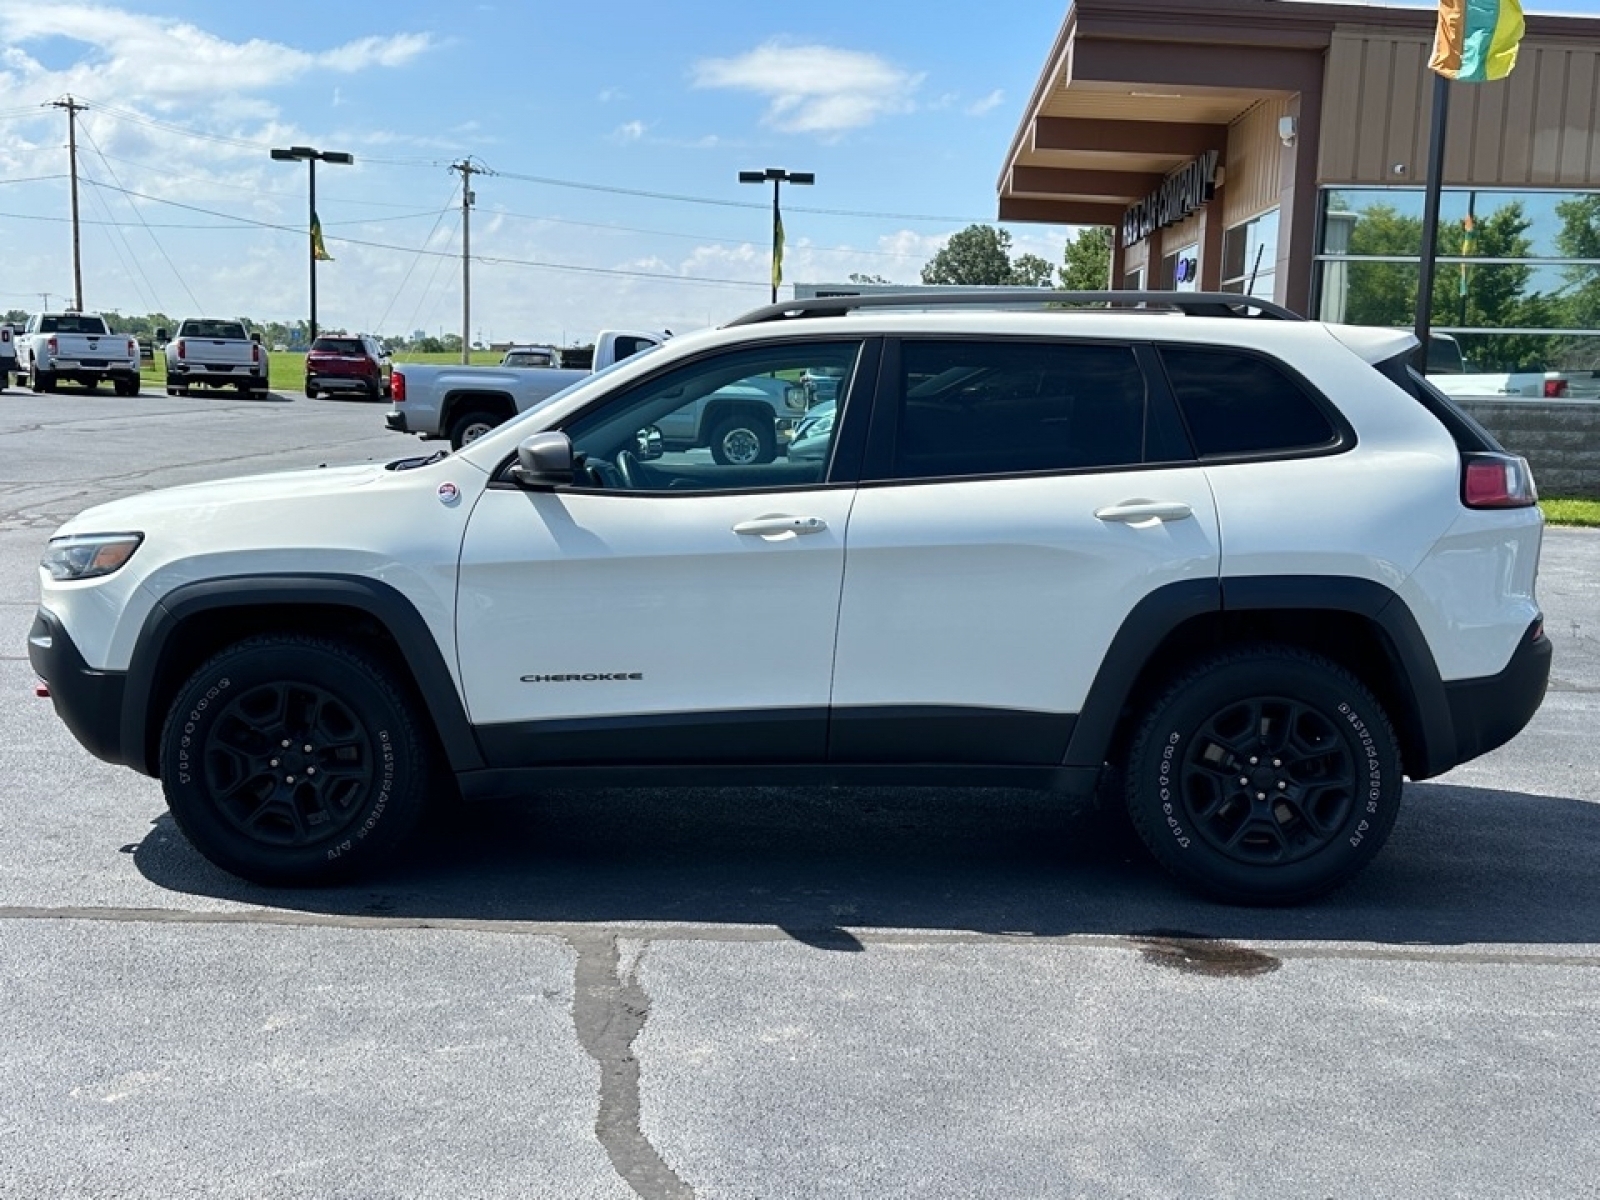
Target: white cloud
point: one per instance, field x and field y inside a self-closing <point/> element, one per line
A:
<point x="632" y="131"/>
<point x="988" y="104"/>
<point x="162" y="62"/>
<point x="814" y="89"/>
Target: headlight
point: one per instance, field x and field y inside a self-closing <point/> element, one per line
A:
<point x="89" y="555"/>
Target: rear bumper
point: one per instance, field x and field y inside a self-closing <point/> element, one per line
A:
<point x="342" y="383"/>
<point x="189" y="374"/>
<point x="1489" y="712"/>
<point x="89" y="702"/>
<point x="395" y="421"/>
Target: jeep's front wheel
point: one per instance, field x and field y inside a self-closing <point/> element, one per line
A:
<point x="294" y="760"/>
<point x="1264" y="776"/>
<point x="743" y="441"/>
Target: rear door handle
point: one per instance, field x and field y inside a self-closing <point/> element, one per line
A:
<point x="1140" y="512"/>
<point x="768" y="526"/>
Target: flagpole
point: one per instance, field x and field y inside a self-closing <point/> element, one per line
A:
<point x="311" y="237"/>
<point x="1430" y="219"/>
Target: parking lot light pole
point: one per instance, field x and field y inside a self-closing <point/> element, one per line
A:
<point x="310" y="156"/>
<point x="779" y="177"/>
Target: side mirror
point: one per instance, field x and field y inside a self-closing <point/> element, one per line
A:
<point x="256" y="337"/>
<point x="647" y="443"/>
<point x="795" y="397"/>
<point x="161" y="335"/>
<point x="544" y="460"/>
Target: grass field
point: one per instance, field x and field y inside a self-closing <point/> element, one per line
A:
<point x="1566" y="511"/>
<point x="286" y="371"/>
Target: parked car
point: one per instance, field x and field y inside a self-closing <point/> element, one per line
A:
<point x="1243" y="572"/>
<point x="531" y="356"/>
<point x="213" y="352"/>
<point x="8" y="355"/>
<point x="813" y="437"/>
<point x="344" y="364"/>
<point x="79" y="348"/>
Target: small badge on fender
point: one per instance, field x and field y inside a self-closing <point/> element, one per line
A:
<point x="590" y="677"/>
<point x="449" y="493"/>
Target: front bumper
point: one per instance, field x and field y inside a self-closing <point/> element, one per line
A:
<point x="89" y="702"/>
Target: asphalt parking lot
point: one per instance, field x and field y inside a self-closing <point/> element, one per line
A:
<point x="768" y="992"/>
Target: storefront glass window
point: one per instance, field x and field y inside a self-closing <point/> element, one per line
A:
<point x="1250" y="256"/>
<point x="1516" y="283"/>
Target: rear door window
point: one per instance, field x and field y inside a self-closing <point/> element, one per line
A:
<point x="969" y="408"/>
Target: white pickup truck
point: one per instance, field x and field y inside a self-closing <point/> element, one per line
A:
<point x="216" y="353"/>
<point x="77" y="347"/>
<point x="463" y="403"/>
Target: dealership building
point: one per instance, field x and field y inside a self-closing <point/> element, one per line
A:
<point x="1280" y="149"/>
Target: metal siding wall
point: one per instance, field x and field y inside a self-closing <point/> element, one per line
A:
<point x="1535" y="128"/>
<point x="1254" y="164"/>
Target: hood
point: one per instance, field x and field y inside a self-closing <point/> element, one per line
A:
<point x="196" y="501"/>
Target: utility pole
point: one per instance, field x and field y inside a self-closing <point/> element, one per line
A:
<point x="73" y="109"/>
<point x="468" y="170"/>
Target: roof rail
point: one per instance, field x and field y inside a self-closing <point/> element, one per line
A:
<point x="1193" y="304"/>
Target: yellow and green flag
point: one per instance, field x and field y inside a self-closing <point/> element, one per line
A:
<point x="1476" y="39"/>
<point x="777" y="250"/>
<point x="318" y="250"/>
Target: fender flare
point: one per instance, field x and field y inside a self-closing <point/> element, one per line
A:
<point x="1161" y="612"/>
<point x="380" y="601"/>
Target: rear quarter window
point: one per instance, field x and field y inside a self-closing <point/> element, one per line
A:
<point x="1237" y="403"/>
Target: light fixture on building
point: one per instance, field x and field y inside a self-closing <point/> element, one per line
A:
<point x="1287" y="128"/>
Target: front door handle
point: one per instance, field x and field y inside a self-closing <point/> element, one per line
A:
<point x="1142" y="512"/>
<point x="769" y="526"/>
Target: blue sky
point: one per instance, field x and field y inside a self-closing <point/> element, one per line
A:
<point x="616" y="133"/>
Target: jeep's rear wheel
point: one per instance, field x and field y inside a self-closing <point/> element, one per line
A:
<point x="294" y="760"/>
<point x="469" y="427"/>
<point x="1264" y="776"/>
<point x="743" y="441"/>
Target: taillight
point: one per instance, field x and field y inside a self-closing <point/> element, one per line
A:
<point x="133" y="348"/>
<point x="5" y="333"/>
<point x="397" y="387"/>
<point x="1555" y="389"/>
<point x="182" y="349"/>
<point x="1496" y="481"/>
<point x="255" y="353"/>
<point x="51" y="345"/>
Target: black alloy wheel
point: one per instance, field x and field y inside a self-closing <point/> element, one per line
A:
<point x="1265" y="775"/>
<point x="294" y="760"/>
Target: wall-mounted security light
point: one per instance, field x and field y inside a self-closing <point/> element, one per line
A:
<point x="1287" y="128"/>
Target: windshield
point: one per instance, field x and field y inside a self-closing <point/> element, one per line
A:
<point x="224" y="330"/>
<point x="72" y="323"/>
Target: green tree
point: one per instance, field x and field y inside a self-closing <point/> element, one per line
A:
<point x="858" y="277"/>
<point x="1086" y="264"/>
<point x="1490" y="295"/>
<point x="1577" y="305"/>
<point x="980" y="256"/>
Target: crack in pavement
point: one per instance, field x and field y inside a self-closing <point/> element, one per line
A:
<point x="609" y="1011"/>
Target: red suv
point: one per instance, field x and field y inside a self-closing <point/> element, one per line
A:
<point x="356" y="363"/>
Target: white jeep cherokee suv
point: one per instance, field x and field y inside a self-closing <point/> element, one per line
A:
<point x="1251" y="567"/>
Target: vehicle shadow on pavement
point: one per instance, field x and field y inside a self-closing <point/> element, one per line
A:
<point x="1464" y="865"/>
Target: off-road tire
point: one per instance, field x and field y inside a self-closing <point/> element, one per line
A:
<point x="248" y="794"/>
<point x="311" y="392"/>
<point x="1264" y="775"/>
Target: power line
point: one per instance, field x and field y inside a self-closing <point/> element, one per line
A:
<point x="162" y="250"/>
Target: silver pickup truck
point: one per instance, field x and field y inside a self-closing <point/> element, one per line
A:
<point x="463" y="403"/>
<point x="215" y="353"/>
